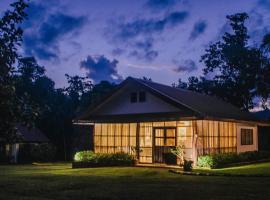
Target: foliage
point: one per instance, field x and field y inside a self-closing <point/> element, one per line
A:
<point x="187" y="166"/>
<point x="235" y="71"/>
<point x="83" y="156"/>
<point x="222" y="160"/>
<point x="36" y="153"/>
<point x="179" y="152"/>
<point x="104" y="159"/>
<point x="12" y="108"/>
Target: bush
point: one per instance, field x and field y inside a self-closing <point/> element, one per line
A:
<point x="91" y="159"/>
<point x="187" y="165"/>
<point x="205" y="161"/>
<point x="83" y="156"/>
<point x="222" y="160"/>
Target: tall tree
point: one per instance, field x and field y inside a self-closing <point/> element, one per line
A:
<point x="11" y="108"/>
<point x="235" y="66"/>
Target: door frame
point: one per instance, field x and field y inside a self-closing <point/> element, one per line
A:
<point x="165" y="138"/>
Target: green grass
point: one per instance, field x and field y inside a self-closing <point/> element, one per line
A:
<point x="256" y="169"/>
<point x="59" y="181"/>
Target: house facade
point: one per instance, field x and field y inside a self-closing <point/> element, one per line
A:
<point x="148" y="119"/>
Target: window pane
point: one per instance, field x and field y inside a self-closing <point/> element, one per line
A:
<point x="142" y="97"/>
<point x="133" y="97"/>
<point x="170" y="142"/>
<point x="170" y="132"/>
<point x="159" y="132"/>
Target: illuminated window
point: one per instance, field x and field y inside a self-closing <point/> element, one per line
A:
<point x="133" y="97"/>
<point x="142" y="97"/>
<point x="246" y="136"/>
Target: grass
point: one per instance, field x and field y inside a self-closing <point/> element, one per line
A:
<point x="257" y="169"/>
<point x="59" y="181"/>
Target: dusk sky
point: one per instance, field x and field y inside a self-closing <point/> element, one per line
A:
<point x="113" y="39"/>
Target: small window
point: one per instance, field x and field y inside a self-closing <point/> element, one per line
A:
<point x="142" y="97"/>
<point x="133" y="97"/>
<point x="246" y="136"/>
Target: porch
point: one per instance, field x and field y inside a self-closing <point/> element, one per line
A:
<point x="151" y="142"/>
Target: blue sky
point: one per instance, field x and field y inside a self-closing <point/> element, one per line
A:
<point x="113" y="39"/>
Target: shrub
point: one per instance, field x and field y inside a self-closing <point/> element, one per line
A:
<point x="91" y="159"/>
<point x="225" y="159"/>
<point x="187" y="165"/>
<point x="205" y="161"/>
<point x="83" y="156"/>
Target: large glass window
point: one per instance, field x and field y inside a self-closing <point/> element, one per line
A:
<point x="112" y="138"/>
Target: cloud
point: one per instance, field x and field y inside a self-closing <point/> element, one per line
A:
<point x="187" y="66"/>
<point x="264" y="3"/>
<point x="144" y="50"/>
<point x="118" y="51"/>
<point x="137" y="36"/>
<point x="162" y="4"/>
<point x="149" y="26"/>
<point x="42" y="41"/>
<point x="101" y="68"/>
<point x="198" y="29"/>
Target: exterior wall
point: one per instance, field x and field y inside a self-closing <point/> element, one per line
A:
<point x="199" y="137"/>
<point x="112" y="138"/>
<point x="243" y="148"/>
<point x="215" y="137"/>
<point x="120" y="104"/>
<point x="223" y="137"/>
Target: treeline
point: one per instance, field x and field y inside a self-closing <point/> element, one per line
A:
<point x="29" y="97"/>
<point x="234" y="70"/>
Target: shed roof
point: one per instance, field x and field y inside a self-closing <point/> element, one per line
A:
<point x="31" y="135"/>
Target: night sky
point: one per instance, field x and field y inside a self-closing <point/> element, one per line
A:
<point x="113" y="39"/>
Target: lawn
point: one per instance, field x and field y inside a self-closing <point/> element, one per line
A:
<point x="59" y="181"/>
<point x="257" y="169"/>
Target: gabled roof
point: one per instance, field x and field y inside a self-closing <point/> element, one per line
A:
<point x="31" y="135"/>
<point x="202" y="106"/>
<point x="207" y="106"/>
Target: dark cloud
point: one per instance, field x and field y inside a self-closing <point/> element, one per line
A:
<point x="162" y="4"/>
<point x="264" y="3"/>
<point x="144" y="50"/>
<point x="187" y="66"/>
<point x="118" y="51"/>
<point x="101" y="68"/>
<point x="42" y="41"/>
<point x="137" y="36"/>
<point x="149" y="26"/>
<point x="198" y="29"/>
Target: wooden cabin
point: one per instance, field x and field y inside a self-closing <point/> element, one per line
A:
<point x="153" y="118"/>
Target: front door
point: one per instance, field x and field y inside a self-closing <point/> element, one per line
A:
<point x="164" y="139"/>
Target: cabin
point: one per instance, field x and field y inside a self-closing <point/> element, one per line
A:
<point x="148" y="119"/>
<point x="26" y="136"/>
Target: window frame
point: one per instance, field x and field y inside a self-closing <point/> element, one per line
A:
<point x="133" y="97"/>
<point x="246" y="138"/>
<point x="142" y="96"/>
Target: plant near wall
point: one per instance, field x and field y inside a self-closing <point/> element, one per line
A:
<point x="179" y="152"/>
<point x="135" y="152"/>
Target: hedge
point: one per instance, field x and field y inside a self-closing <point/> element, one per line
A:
<point x="91" y="159"/>
<point x="222" y="160"/>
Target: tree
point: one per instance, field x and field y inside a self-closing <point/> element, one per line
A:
<point x="237" y="68"/>
<point x="78" y="86"/>
<point x="11" y="107"/>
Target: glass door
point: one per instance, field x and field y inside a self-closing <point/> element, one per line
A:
<point x="164" y="139"/>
